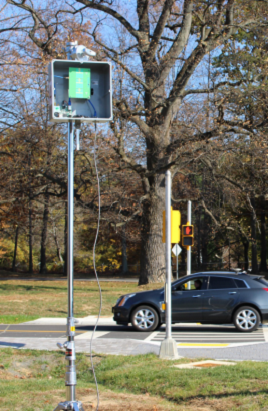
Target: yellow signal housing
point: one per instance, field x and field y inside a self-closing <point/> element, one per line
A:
<point x="188" y="235"/>
<point x="175" y="226"/>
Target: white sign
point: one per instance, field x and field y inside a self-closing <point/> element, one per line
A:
<point x="176" y="250"/>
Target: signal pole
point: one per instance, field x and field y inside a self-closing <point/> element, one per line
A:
<point x="168" y="349"/>
<point x="189" y="248"/>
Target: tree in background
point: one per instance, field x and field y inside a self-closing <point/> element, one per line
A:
<point x="166" y="44"/>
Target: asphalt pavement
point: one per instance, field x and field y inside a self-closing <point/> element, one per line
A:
<point x="193" y="340"/>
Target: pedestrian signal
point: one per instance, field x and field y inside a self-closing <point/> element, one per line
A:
<point x="188" y="230"/>
<point x="187" y="235"/>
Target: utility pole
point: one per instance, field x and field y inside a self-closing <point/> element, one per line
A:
<point x="168" y="349"/>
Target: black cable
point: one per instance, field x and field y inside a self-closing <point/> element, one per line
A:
<point x="95" y="270"/>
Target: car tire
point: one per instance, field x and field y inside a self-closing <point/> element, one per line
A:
<point x="246" y="319"/>
<point x="145" y="318"/>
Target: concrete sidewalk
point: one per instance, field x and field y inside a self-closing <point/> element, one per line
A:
<point x="251" y="352"/>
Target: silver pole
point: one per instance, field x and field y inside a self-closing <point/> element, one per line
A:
<point x="70" y="380"/>
<point x="168" y="349"/>
<point x="69" y="345"/>
<point x="189" y="220"/>
<point x="168" y="254"/>
<point x="177" y="266"/>
<point x="70" y="216"/>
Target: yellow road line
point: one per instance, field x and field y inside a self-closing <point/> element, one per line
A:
<point x="38" y="331"/>
<point x="202" y="345"/>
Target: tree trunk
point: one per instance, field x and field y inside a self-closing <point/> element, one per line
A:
<point x="246" y="248"/>
<point x="55" y="235"/>
<point x="30" y="217"/>
<point x="15" y="249"/>
<point x="199" y="241"/>
<point x="30" y="238"/>
<point x="255" y="269"/>
<point x="124" y="253"/>
<point x="43" y="266"/>
<point x="205" y="224"/>
<point x="153" y="264"/>
<point x="263" y="265"/>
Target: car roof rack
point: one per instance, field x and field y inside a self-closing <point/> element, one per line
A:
<point x="236" y="270"/>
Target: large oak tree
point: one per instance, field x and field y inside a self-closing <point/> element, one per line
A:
<point x="165" y="43"/>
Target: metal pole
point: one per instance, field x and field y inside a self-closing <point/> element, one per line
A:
<point x="70" y="216"/>
<point x="70" y="381"/>
<point x="177" y="266"/>
<point x="69" y="345"/>
<point x="189" y="220"/>
<point x="168" y="349"/>
<point x="168" y="254"/>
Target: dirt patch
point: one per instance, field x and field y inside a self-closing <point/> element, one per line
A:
<point x="122" y="402"/>
<point x="206" y="404"/>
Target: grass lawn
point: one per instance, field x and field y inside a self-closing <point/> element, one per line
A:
<point x="22" y="301"/>
<point x="34" y="381"/>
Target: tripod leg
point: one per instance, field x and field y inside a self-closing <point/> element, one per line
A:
<point x="78" y="407"/>
<point x="60" y="407"/>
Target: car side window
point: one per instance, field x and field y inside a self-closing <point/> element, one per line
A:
<point x="195" y="284"/>
<point x="218" y="283"/>
<point x="240" y="283"/>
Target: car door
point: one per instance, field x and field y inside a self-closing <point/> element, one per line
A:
<point x="187" y="300"/>
<point x="219" y="300"/>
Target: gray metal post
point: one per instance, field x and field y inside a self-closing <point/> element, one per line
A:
<point x="177" y="266"/>
<point x="189" y="220"/>
<point x="168" y="349"/>
<point x="70" y="216"/>
<point x="168" y="254"/>
<point x="69" y="345"/>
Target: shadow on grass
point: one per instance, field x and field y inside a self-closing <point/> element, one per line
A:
<point x="233" y="395"/>
<point x="40" y="288"/>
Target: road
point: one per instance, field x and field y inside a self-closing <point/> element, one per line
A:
<point x="190" y="334"/>
<point x="193" y="340"/>
<point x="104" y="279"/>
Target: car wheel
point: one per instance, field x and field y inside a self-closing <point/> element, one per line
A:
<point x="145" y="318"/>
<point x="246" y="319"/>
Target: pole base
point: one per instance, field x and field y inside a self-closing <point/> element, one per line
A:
<point x="70" y="405"/>
<point x="169" y="350"/>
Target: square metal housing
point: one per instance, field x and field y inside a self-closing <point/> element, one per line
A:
<point x="96" y="86"/>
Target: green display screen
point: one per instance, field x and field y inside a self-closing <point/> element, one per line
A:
<point x="79" y="82"/>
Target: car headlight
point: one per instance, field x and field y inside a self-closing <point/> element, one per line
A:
<point x="124" y="299"/>
<point x="118" y="300"/>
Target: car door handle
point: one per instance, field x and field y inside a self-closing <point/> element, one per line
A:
<point x="196" y="296"/>
<point x="232" y="292"/>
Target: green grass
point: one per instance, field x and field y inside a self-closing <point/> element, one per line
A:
<point x="17" y="319"/>
<point x="39" y="376"/>
<point x="49" y="298"/>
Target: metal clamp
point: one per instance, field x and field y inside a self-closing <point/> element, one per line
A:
<point x="67" y="406"/>
<point x="70" y="331"/>
<point x="69" y="350"/>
